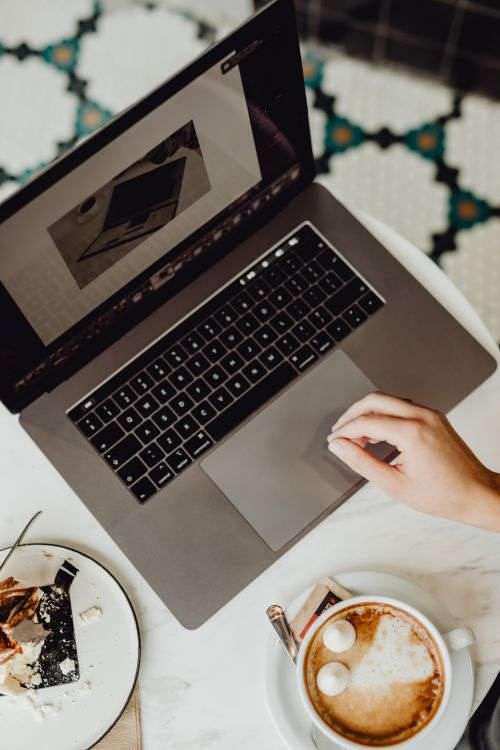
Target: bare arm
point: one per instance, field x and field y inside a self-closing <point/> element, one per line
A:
<point x="436" y="472"/>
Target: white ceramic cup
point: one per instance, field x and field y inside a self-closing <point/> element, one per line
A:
<point x="446" y="642"/>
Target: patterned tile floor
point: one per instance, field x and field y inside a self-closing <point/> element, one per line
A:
<point x="413" y="153"/>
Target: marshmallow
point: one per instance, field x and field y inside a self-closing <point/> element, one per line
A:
<point x="339" y="636"/>
<point x="333" y="678"/>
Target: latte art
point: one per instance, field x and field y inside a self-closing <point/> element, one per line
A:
<point x="396" y="677"/>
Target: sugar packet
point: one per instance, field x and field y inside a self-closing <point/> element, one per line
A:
<point x="324" y="595"/>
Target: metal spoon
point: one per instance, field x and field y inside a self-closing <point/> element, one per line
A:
<point x="18" y="540"/>
<point x="278" y="620"/>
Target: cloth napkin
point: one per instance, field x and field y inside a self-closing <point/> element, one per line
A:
<point x="126" y="734"/>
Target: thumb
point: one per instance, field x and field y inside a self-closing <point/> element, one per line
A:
<point x="359" y="460"/>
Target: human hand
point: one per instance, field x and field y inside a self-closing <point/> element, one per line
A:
<point x="435" y="472"/>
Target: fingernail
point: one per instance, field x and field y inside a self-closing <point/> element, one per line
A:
<point x="335" y="447"/>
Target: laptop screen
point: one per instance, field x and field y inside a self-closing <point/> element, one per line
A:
<point x="143" y="208"/>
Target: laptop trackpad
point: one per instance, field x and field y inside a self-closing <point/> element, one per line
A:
<point x="277" y="470"/>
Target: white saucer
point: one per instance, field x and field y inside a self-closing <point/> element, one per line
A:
<point x="285" y="707"/>
<point x="108" y="655"/>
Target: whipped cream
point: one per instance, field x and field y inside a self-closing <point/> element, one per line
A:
<point x="333" y="678"/>
<point x="339" y="636"/>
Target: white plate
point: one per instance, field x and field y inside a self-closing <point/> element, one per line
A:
<point x="108" y="654"/>
<point x="284" y="703"/>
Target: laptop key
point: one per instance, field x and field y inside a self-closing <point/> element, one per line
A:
<point x="204" y="412"/>
<point x="178" y="460"/>
<point x="231" y="337"/>
<point x="287" y="344"/>
<point x="344" y="298"/>
<point x="298" y="309"/>
<point x="165" y="417"/>
<point x="209" y="329"/>
<point x="264" y="311"/>
<point x="131" y="471"/>
<point x="225" y="316"/>
<point x="242" y="303"/>
<point x="146" y="405"/>
<point x="130" y="419"/>
<point x="291" y="262"/>
<point x="265" y="335"/>
<point x="125" y="396"/>
<point x="198" y="390"/>
<point x="198" y="444"/>
<point x="180" y="377"/>
<point x="321" y="342"/>
<point x="143" y="489"/>
<point x="122" y="451"/>
<point x="342" y="269"/>
<point x="181" y="404"/>
<point x="107" y="437"/>
<point x="220" y="399"/>
<point x="232" y="362"/>
<point x="274" y="276"/>
<point x="319" y="317"/>
<point x="370" y="303"/>
<point x="271" y="358"/>
<point x="152" y="454"/>
<point x="330" y="283"/>
<point x="249" y="349"/>
<point x="258" y="290"/>
<point x="251" y="401"/>
<point x="354" y="316"/>
<point x="161" y="474"/>
<point x="89" y="425"/>
<point x="141" y="383"/>
<point x="280" y="297"/>
<point x="338" y="330"/>
<point x="247" y="324"/>
<point x="169" y="441"/>
<point x="314" y="296"/>
<point x="164" y="392"/>
<point x="158" y="370"/>
<point x="296" y="285"/>
<point x="198" y="364"/>
<point x="193" y="343"/>
<point x="215" y="376"/>
<point x="281" y="322"/>
<point x="303" y="330"/>
<point x="186" y="427"/>
<point x="108" y="410"/>
<point x="312" y="272"/>
<point x="254" y="371"/>
<point x="214" y="351"/>
<point x="304" y="358"/>
<point x="237" y="385"/>
<point x="176" y="356"/>
<point x="147" y="431"/>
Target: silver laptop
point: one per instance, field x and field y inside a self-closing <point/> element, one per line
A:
<point x="183" y="377"/>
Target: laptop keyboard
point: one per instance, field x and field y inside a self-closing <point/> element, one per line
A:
<point x="199" y="381"/>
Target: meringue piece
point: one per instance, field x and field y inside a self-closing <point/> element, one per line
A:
<point x="339" y="636"/>
<point x="333" y="678"/>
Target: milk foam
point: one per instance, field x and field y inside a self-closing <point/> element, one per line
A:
<point x="394" y="656"/>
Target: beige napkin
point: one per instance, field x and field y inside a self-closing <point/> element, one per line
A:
<point x="126" y="734"/>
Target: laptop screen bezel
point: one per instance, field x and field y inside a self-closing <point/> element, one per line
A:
<point x="275" y="18"/>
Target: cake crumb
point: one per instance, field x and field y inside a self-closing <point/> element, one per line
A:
<point x="91" y="614"/>
<point x="67" y="666"/>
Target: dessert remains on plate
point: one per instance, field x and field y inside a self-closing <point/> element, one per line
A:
<point x="21" y="637"/>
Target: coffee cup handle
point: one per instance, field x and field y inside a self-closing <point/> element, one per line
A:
<point x="459" y="638"/>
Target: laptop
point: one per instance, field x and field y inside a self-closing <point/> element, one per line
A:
<point x="183" y="383"/>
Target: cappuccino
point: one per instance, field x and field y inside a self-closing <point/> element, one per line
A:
<point x="396" y="676"/>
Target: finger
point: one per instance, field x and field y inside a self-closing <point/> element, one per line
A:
<point x="359" y="460"/>
<point x="377" y="427"/>
<point x="381" y="403"/>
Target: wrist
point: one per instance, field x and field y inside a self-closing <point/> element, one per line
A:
<point x="484" y="506"/>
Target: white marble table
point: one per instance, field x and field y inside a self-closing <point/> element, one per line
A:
<point x="204" y="689"/>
